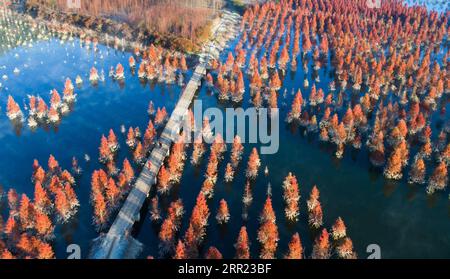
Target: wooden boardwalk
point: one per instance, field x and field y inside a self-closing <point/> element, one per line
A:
<point x="115" y="243"/>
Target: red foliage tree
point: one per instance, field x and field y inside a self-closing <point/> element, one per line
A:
<point x="41" y="199"/>
<point x="338" y="229"/>
<point x="242" y="245"/>
<point x="100" y="210"/>
<point x="180" y="253"/>
<point x="267" y="214"/>
<point x="417" y="172"/>
<point x="53" y="165"/>
<point x="43" y="225"/>
<point x="236" y="151"/>
<point x="163" y="181"/>
<point x="105" y="151"/>
<point x="26" y="212"/>
<point x="345" y="249"/>
<point x="291" y="196"/>
<point x="393" y="169"/>
<point x="213" y="254"/>
<point x="275" y="82"/>
<point x="316" y="216"/>
<point x="13" y="199"/>
<point x="155" y="214"/>
<point x="268" y="237"/>
<point x="321" y="248"/>
<point x="296" y="107"/>
<point x="229" y="173"/>
<point x="295" y="248"/>
<point x="62" y="205"/>
<point x="253" y="165"/>
<point x="223" y="215"/>
<point x="438" y="179"/>
<point x="128" y="171"/>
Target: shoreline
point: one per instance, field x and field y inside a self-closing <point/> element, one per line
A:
<point x="108" y="30"/>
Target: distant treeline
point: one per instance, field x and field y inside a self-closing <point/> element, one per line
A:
<point x="178" y="17"/>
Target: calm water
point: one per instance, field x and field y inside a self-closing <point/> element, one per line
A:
<point x="96" y="111"/>
<point x="400" y="218"/>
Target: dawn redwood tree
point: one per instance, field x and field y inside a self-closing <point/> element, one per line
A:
<point x="376" y="146"/>
<point x="291" y="197"/>
<point x="247" y="197"/>
<point x="104" y="151"/>
<point x="256" y="81"/>
<point x="345" y="249"/>
<point x="163" y="180"/>
<point x="167" y="233"/>
<point x="253" y="165"/>
<point x="113" y="144"/>
<point x="242" y="245"/>
<point x="53" y="165"/>
<point x="296" y="107"/>
<point x="295" y="250"/>
<point x="6" y="255"/>
<point x="438" y="179"/>
<point x="199" y="218"/>
<point x="393" y="169"/>
<point x="43" y="225"/>
<point x="321" y="247"/>
<point x="12" y="109"/>
<point x="13" y="200"/>
<point x="131" y="138"/>
<point x="12" y="229"/>
<point x="198" y="151"/>
<point x="229" y="173"/>
<point x="338" y="229"/>
<point x="275" y="82"/>
<point x="211" y="169"/>
<point x="444" y="156"/>
<point x="139" y="154"/>
<point x="267" y="213"/>
<point x="41" y="200"/>
<point x="25" y="245"/>
<point x="180" y="253"/>
<point x="149" y="135"/>
<point x="315" y="218"/>
<point x="191" y="244"/>
<point x="128" y="171"/>
<point x="71" y="198"/>
<point x="284" y="58"/>
<point x="223" y="214"/>
<point x="213" y="254"/>
<point x="112" y="192"/>
<point x="313" y="198"/>
<point x="160" y="117"/>
<point x="268" y="238"/>
<point x="155" y="214"/>
<point x="26" y="212"/>
<point x="62" y="206"/>
<point x="236" y="151"/>
<point x="45" y="251"/>
<point x="257" y="100"/>
<point x="101" y="213"/>
<point x="417" y="171"/>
